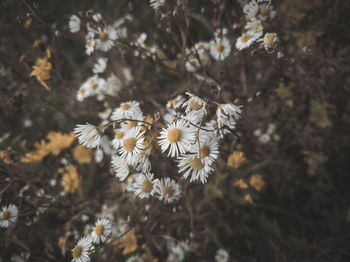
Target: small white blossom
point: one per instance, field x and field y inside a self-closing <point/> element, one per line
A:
<point x="88" y="135"/>
<point x="100" y="65"/>
<point x="82" y="250"/>
<point x="74" y="24"/>
<point x="101" y="231"/>
<point x="220" y="48"/>
<point x="167" y="189"/>
<point x="8" y="215"/>
<point x="221" y="255"/>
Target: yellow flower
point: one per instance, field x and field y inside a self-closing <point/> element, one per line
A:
<point x="59" y="141"/>
<point x="240" y="183"/>
<point x="82" y="154"/>
<point x="248" y="198"/>
<point x="257" y="182"/>
<point x="70" y="179"/>
<point x="38" y="154"/>
<point x="42" y="70"/>
<point x="236" y="159"/>
<point x="128" y="243"/>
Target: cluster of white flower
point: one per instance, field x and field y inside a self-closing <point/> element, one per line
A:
<point x="188" y="137"/>
<point x="142" y="49"/>
<point x="257" y="14"/>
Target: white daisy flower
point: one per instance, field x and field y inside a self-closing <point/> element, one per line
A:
<point x="105" y="113"/>
<point x="133" y="143"/>
<point x="156" y="3"/>
<point x="227" y="115"/>
<point x="88" y="135"/>
<point x="270" y="41"/>
<point x="251" y="9"/>
<point x="114" y="85"/>
<point x="247" y="39"/>
<point x="220" y="48"/>
<point x="22" y="257"/>
<point x="144" y="185"/>
<point x="192" y="64"/>
<point x="176" y="102"/>
<point x="177" y="136"/>
<point x="134" y="259"/>
<point x="90" y="43"/>
<point x="221" y="255"/>
<point x="117" y="142"/>
<point x="106" y="37"/>
<point x="81" y="252"/>
<point x="120" y="167"/>
<point x="209" y="148"/>
<point x="264" y="138"/>
<point x="101" y="231"/>
<point x="201" y="48"/>
<point x="176" y="254"/>
<point x="167" y="189"/>
<point x="254" y="27"/>
<point x="194" y="166"/>
<point x="8" y="215"/>
<point x="195" y="108"/>
<point x="74" y="24"/>
<point x="98" y="155"/>
<point x="184" y="246"/>
<point x="267" y="11"/>
<point x="126" y="110"/>
<point x="97" y="17"/>
<point x="130" y="124"/>
<point x="100" y="65"/>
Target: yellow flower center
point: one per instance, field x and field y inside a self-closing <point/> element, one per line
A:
<point x="129" y="144"/>
<point x="132" y="124"/>
<point x="256" y="26"/>
<point x="103" y="36"/>
<point x="194" y="104"/>
<point x="175" y="255"/>
<point x="147" y="186"/>
<point x="195" y="163"/>
<point x="76" y="251"/>
<point x="174" y="135"/>
<point x="204" y="151"/>
<point x="82" y="91"/>
<point x="222" y="256"/>
<point x="167" y="191"/>
<point x="94" y="86"/>
<point x="99" y="230"/>
<point x="174" y="102"/>
<point x="6" y="214"/>
<point x="88" y="42"/>
<point x="199" y="46"/>
<point x="192" y="62"/>
<point x="125" y="107"/>
<point x="220" y="48"/>
<point x="245" y="37"/>
<point x="119" y="135"/>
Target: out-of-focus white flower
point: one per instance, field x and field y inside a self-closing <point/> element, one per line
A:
<point x="221" y="255"/>
<point x="22" y="257"/>
<point x="251" y="9"/>
<point x="88" y="135"/>
<point x="101" y="231"/>
<point x="105" y="113"/>
<point x="264" y="138"/>
<point x="74" y="24"/>
<point x="126" y="110"/>
<point x="90" y="43"/>
<point x="246" y="39"/>
<point x="100" y="65"/>
<point x="156" y="3"/>
<point x="176" y="254"/>
<point x="106" y="38"/>
<point x="267" y="11"/>
<point x="220" y="48"/>
<point x="98" y="155"/>
<point x="254" y="27"/>
<point x="114" y="85"/>
<point x="120" y="167"/>
<point x="176" y="102"/>
<point x="167" y="189"/>
<point x="8" y="215"/>
<point x="147" y="51"/>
